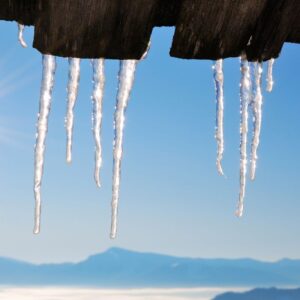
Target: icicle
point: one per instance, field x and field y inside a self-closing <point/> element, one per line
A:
<point x="74" y="77"/>
<point x="145" y="55"/>
<point x="245" y="95"/>
<point x="126" y="79"/>
<point x="49" y="65"/>
<point x="257" y="116"/>
<point x="270" y="81"/>
<point x="98" y="92"/>
<point x="21" y="28"/>
<point x="219" y="82"/>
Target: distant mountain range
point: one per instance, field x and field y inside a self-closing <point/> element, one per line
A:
<point x="118" y="268"/>
<point x="262" y="294"/>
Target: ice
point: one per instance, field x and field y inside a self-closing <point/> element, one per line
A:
<point x="219" y="83"/>
<point x="49" y="66"/>
<point x="126" y="80"/>
<point x="21" y="28"/>
<point x="74" y="77"/>
<point x="257" y="116"/>
<point x="98" y="93"/>
<point x="270" y="80"/>
<point x="245" y="98"/>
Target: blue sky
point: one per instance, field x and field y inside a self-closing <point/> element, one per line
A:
<point x="172" y="199"/>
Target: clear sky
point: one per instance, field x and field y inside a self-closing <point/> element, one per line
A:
<point x="172" y="199"/>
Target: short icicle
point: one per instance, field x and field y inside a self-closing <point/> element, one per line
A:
<point x="270" y="80"/>
<point x="98" y="93"/>
<point x="126" y="80"/>
<point x="245" y="98"/>
<point x="73" y="84"/>
<point x="49" y="66"/>
<point x="219" y="135"/>
<point x="21" y="28"/>
<point x="257" y="117"/>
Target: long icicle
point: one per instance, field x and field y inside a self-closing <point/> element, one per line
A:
<point x="245" y="97"/>
<point x="98" y="93"/>
<point x="21" y="28"/>
<point x="73" y="84"/>
<point x="49" y="66"/>
<point x="257" y="116"/>
<point x="126" y="79"/>
<point x="219" y="135"/>
<point x="270" y="80"/>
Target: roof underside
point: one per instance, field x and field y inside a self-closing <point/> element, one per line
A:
<point x="121" y="29"/>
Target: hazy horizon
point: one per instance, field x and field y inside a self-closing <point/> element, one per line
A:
<point x="58" y="293"/>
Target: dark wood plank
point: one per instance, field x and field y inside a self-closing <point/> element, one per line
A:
<point x="215" y="29"/>
<point x="114" y="29"/>
<point x="121" y="29"/>
<point x="22" y="11"/>
<point x="167" y="12"/>
<point x="276" y="24"/>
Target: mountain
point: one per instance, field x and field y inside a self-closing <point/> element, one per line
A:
<point x="122" y="268"/>
<point x="262" y="294"/>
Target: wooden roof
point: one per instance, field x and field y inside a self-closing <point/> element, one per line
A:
<point x="121" y="29"/>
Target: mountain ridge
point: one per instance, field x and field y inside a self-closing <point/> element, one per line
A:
<point x="117" y="267"/>
<point x="262" y="294"/>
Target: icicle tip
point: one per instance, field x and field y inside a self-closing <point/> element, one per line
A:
<point x="20" y="35"/>
<point x="36" y="231"/>
<point x="220" y="168"/>
<point x="252" y="175"/>
<point x="240" y="211"/>
<point x="69" y="160"/>
<point x="97" y="181"/>
<point x="37" y="220"/>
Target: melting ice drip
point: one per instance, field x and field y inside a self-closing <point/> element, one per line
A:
<point x="49" y="66"/>
<point x="74" y="77"/>
<point x="98" y="93"/>
<point x="126" y="80"/>
<point x="21" y="28"/>
<point x="257" y="116"/>
<point x="219" y="135"/>
<point x="245" y="98"/>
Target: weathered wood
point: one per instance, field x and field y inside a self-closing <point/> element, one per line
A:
<point x="167" y="12"/>
<point x="221" y="29"/>
<point x="22" y="11"/>
<point x="273" y="29"/>
<point x="114" y="29"/>
<point x="121" y="29"/>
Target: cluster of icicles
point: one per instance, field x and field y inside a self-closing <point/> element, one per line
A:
<point x="126" y="78"/>
<point x="250" y="96"/>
